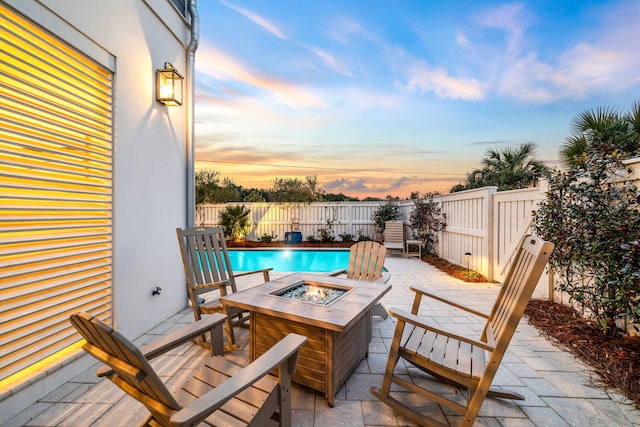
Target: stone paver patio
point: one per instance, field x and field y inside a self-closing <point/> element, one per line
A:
<point x="559" y="389"/>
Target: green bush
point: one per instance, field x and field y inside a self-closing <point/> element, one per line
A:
<point x="388" y="211"/>
<point x="594" y="222"/>
<point x="427" y="220"/>
<point x="346" y="237"/>
<point x="235" y="221"/>
<point x="268" y="238"/>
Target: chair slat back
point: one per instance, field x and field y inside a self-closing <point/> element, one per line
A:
<point x="131" y="370"/>
<point x="394" y="232"/>
<point x="366" y="260"/>
<point x="205" y="257"/>
<point x="520" y="282"/>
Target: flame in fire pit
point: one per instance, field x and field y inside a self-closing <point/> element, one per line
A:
<point x="314" y="292"/>
<point x="311" y="292"/>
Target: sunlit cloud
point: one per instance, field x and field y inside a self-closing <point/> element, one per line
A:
<point x="437" y="80"/>
<point x="220" y="66"/>
<point x="261" y="21"/>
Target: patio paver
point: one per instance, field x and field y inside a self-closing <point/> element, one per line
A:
<point x="557" y="387"/>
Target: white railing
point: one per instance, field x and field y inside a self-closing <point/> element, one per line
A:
<point x="276" y="218"/>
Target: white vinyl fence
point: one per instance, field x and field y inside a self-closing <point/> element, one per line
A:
<point x="485" y="223"/>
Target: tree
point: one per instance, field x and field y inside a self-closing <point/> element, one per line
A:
<point x="388" y="211"/>
<point x="507" y="169"/>
<point x="205" y="181"/>
<point x="602" y="132"/>
<point x="295" y="190"/>
<point x="210" y="189"/>
<point x="427" y="220"/>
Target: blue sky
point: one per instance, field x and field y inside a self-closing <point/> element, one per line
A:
<point x="381" y="98"/>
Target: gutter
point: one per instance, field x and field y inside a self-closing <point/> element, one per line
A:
<point x="190" y="155"/>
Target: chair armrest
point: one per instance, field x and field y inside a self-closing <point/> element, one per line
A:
<point x="184" y="334"/>
<point x="407" y="317"/>
<point x="285" y="352"/>
<point x="264" y="271"/>
<point x="423" y="291"/>
<point x="212" y="285"/>
<point x="336" y="272"/>
<point x="213" y="323"/>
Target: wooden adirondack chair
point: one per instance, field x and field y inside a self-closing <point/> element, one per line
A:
<point x="394" y="235"/>
<point x="207" y="268"/>
<point x="219" y="393"/>
<point x="366" y="261"/>
<point x="468" y="362"/>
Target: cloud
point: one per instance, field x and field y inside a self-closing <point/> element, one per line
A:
<point x="509" y="18"/>
<point x="601" y="64"/>
<point x="262" y="22"/>
<point x="219" y="66"/>
<point x="437" y="80"/>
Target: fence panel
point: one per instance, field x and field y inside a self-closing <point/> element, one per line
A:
<point x="276" y="218"/>
<point x="468" y="229"/>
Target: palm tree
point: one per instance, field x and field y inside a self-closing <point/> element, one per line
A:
<point x="602" y="132"/>
<point x="513" y="168"/>
<point x="507" y="169"/>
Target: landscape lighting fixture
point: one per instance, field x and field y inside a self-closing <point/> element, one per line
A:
<point x="169" y="85"/>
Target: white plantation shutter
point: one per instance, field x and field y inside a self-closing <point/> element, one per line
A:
<point x="55" y="192"/>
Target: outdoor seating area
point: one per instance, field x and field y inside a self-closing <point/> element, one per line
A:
<point x="558" y="389"/>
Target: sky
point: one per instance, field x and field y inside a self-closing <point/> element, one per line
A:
<point x="379" y="98"/>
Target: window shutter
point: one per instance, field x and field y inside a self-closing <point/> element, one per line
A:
<point x="55" y="192"/>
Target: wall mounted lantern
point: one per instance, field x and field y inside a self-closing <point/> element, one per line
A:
<point x="169" y="85"/>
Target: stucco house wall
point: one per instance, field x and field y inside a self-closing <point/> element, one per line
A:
<point x="132" y="38"/>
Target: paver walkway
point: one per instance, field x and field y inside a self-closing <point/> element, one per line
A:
<point x="558" y="388"/>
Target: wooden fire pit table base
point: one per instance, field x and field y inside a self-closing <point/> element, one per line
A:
<point x="338" y="334"/>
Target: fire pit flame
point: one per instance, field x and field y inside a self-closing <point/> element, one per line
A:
<point x="311" y="292"/>
<point x="314" y="292"/>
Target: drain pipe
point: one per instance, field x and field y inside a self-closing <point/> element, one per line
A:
<point x="191" y="59"/>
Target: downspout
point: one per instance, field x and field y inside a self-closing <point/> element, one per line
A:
<point x="191" y="59"/>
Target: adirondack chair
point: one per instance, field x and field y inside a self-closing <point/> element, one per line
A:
<point x="394" y="235"/>
<point x="366" y="261"/>
<point x="207" y="268"/>
<point x="468" y="362"/>
<point x="219" y="393"/>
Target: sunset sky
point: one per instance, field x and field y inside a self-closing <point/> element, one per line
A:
<point x="384" y="98"/>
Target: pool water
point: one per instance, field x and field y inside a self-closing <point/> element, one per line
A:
<point x="288" y="260"/>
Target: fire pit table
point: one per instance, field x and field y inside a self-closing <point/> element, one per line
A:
<point x="337" y="324"/>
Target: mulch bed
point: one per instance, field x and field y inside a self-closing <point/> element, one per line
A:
<point x="454" y="270"/>
<point x="615" y="359"/>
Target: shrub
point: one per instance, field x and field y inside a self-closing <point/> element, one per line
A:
<point x="427" y="220"/>
<point x="313" y="239"/>
<point x="347" y="237"/>
<point x="388" y="211"/>
<point x="268" y="238"/>
<point x="362" y="237"/>
<point x="594" y="222"/>
<point x="235" y="221"/>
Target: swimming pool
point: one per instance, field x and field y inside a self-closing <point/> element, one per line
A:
<point x="289" y="260"/>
